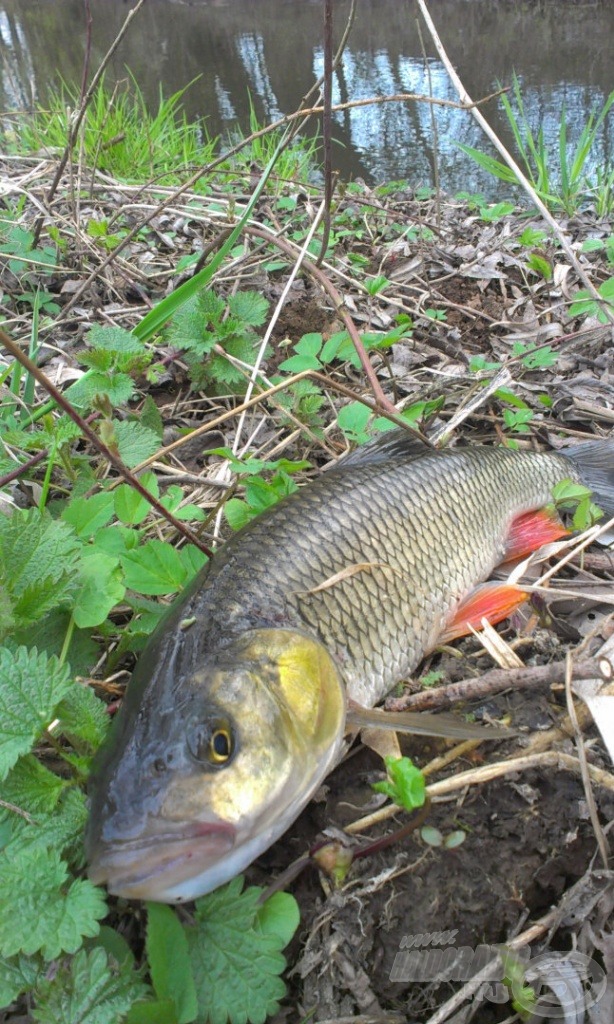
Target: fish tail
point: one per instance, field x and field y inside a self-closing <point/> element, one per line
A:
<point x="594" y="463"/>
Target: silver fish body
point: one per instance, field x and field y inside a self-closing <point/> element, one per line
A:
<point x="235" y="712"/>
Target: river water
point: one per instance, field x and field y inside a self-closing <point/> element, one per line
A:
<point x="270" y="50"/>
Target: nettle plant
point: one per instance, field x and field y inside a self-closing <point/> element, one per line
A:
<point x="83" y="573"/>
<point x="83" y="569"/>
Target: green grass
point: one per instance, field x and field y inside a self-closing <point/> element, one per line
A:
<point x="124" y="138"/>
<point x="562" y="179"/>
<point x="120" y="135"/>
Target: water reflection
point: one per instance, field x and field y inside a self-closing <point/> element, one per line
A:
<point x="271" y="51"/>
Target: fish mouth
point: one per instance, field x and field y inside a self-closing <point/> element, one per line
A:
<point x="153" y="866"/>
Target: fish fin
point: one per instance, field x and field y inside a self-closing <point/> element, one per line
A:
<point x="421" y="723"/>
<point x="530" y="530"/>
<point x="594" y="461"/>
<point x="382" y="741"/>
<point x="492" y="601"/>
<point x="392" y="444"/>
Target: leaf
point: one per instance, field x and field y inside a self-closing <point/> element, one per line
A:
<point x="162" y="1011"/>
<point x="167" y="951"/>
<point x="249" y="307"/>
<point x="31" y="787"/>
<point x="150" y="417"/>
<point x="154" y="568"/>
<point x="405" y="784"/>
<point x="280" y="916"/>
<point x="238" y="513"/>
<point x="37" y="556"/>
<point x="117" y="387"/>
<point x="236" y="967"/>
<point x="130" y="507"/>
<point x="31" y="687"/>
<point x="101" y="588"/>
<point x="88" y="515"/>
<point x="89" y="989"/>
<point x="41" y="909"/>
<point x="352" y="419"/>
<point x="135" y="442"/>
<point x="60" y="829"/>
<point x="17" y="975"/>
<point x="48" y="635"/>
<point x="83" y="717"/>
<point x="113" y="339"/>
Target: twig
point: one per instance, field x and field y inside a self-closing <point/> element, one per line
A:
<point x="339" y="309"/>
<point x="327" y="97"/>
<point x="88" y="49"/>
<point x="511" y="163"/>
<point x="486" y="773"/>
<point x="584" y="768"/>
<point x="92" y="436"/>
<point x="497" y="680"/>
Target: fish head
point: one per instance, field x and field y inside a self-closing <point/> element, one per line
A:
<point x="197" y="779"/>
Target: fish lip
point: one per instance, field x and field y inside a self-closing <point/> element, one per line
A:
<point x="144" y="867"/>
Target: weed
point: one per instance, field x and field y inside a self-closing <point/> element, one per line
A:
<point x="586" y="305"/>
<point x="405" y="785"/>
<point x="566" y="187"/>
<point x="119" y="134"/>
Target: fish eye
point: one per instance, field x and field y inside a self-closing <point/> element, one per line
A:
<point x="211" y="743"/>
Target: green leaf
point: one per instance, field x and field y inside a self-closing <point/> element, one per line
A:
<point x="135" y="442"/>
<point x="154" y="568"/>
<point x="238" y="513"/>
<point x="87" y="515"/>
<point x="117" y="387"/>
<point x="405" y="784"/>
<point x="41" y="909"/>
<point x="162" y="1011"/>
<point x="48" y="635"/>
<point x="236" y="967"/>
<point x="101" y="588"/>
<point x="352" y="419"/>
<point x="60" y="829"/>
<point x="114" y="339"/>
<point x="249" y="307"/>
<point x="17" y="975"/>
<point x="280" y="916"/>
<point x="167" y="951"/>
<point x="37" y="563"/>
<point x="31" y="687"/>
<point x="130" y="507"/>
<point x="31" y="787"/>
<point x="89" y="989"/>
<point x="150" y="417"/>
<point x="83" y="717"/>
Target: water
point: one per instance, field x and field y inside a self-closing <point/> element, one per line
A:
<point x="270" y="50"/>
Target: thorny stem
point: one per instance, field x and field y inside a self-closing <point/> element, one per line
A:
<point x="85" y="428"/>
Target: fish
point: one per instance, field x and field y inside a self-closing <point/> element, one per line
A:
<point x="239" y="703"/>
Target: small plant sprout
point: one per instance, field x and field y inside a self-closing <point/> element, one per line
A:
<point x="572" y="497"/>
<point x="405" y="784"/>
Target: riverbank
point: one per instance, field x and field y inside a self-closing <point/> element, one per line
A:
<point x="472" y="325"/>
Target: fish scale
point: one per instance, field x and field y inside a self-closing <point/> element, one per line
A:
<point x="417" y="521"/>
<point x="237" y="709"/>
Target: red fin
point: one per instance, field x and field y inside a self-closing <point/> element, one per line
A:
<point x="530" y="530"/>
<point x="492" y="601"/>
